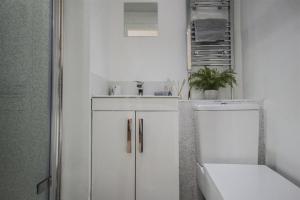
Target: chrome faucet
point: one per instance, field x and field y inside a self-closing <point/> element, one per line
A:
<point x="140" y="88"/>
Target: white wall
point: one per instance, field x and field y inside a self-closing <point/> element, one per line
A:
<point x="140" y="58"/>
<point x="271" y="50"/>
<point x="76" y="103"/>
<point x="238" y="89"/>
<point x="98" y="45"/>
<point x="99" y="34"/>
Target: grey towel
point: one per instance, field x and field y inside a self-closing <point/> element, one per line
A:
<point x="210" y="30"/>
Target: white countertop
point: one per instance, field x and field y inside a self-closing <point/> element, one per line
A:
<point x="132" y="96"/>
<point x="137" y="103"/>
<point x="226" y="106"/>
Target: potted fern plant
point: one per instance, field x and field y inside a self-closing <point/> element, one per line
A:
<point x="209" y="81"/>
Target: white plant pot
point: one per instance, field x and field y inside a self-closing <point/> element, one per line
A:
<point x="211" y="94"/>
<point x="196" y="94"/>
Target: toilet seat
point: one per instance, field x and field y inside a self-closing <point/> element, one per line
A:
<point x="246" y="182"/>
<point x="206" y="185"/>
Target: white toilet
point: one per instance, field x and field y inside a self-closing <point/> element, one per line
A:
<point x="227" y="141"/>
<point x="227" y="133"/>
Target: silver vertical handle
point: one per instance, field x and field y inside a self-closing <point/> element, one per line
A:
<point x="129" y="130"/>
<point x="141" y="135"/>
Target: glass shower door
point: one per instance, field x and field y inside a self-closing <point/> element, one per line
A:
<point x="25" y="98"/>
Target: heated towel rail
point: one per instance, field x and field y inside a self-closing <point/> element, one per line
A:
<point x="209" y="54"/>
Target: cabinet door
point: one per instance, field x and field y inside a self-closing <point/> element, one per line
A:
<point x="157" y="165"/>
<point x="113" y="165"/>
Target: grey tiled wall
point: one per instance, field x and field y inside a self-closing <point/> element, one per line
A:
<point x="25" y="49"/>
<point x="187" y="158"/>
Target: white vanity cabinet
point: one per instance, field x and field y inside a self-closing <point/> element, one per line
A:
<point x="135" y="148"/>
<point x="113" y="168"/>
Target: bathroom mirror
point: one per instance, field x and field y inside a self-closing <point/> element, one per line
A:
<point x="141" y="19"/>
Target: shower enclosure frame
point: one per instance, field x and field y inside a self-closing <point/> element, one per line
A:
<point x="56" y="99"/>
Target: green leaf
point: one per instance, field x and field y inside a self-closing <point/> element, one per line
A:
<point x="212" y="79"/>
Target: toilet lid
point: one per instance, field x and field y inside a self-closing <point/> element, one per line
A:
<point x="249" y="182"/>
